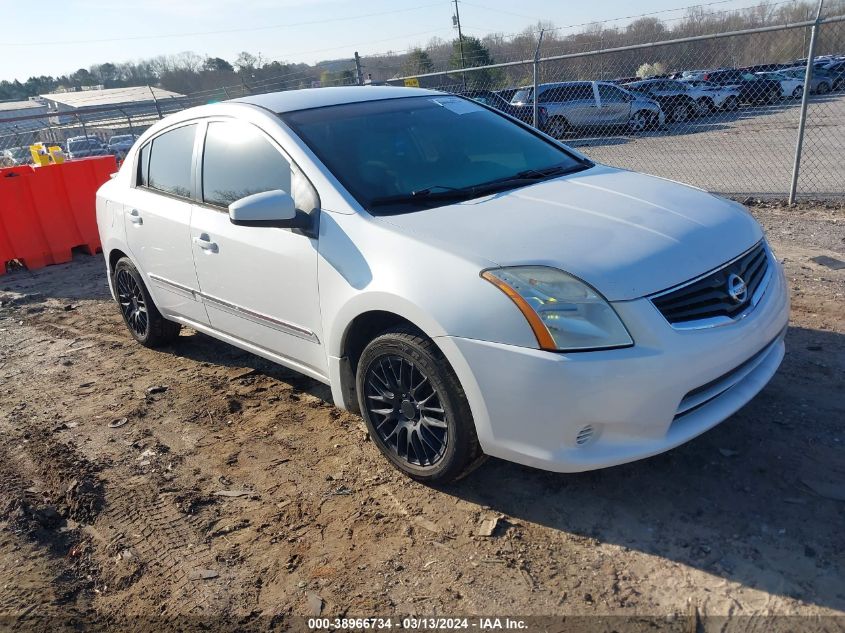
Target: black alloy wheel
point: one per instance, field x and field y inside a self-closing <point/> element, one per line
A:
<point x="415" y="408"/>
<point x="139" y="312"/>
<point x="133" y="306"/>
<point x="408" y="415"/>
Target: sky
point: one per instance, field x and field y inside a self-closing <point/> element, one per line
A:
<point x="79" y="33"/>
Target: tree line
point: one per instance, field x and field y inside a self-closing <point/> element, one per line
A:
<point x="189" y="73"/>
<point x="774" y="47"/>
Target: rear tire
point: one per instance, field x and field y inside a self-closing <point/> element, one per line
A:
<point x="823" y="88"/>
<point x="415" y="408"/>
<point x="640" y="121"/>
<point x="142" y="318"/>
<point x="558" y="127"/>
<point x="731" y="103"/>
<point x="680" y="113"/>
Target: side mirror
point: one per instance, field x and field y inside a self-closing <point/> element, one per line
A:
<point x="270" y="208"/>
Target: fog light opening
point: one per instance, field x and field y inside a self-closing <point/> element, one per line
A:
<point x="585" y="435"/>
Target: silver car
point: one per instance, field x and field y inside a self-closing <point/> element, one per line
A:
<point x="572" y="105"/>
<point x="820" y="83"/>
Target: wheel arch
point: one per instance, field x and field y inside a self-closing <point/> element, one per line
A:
<point x="112" y="257"/>
<point x="357" y="327"/>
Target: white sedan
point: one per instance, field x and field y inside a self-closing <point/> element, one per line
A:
<point x="469" y="285"/>
<point x="790" y="87"/>
<point x="710" y="96"/>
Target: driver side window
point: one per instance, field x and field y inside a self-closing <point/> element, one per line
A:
<point x="239" y="161"/>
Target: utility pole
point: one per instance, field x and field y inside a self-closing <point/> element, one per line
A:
<point x="456" y="21"/>
<point x="358" y="74"/>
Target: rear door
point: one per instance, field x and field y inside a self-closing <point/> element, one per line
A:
<point x="259" y="283"/>
<point x="576" y="102"/>
<point x="157" y="215"/>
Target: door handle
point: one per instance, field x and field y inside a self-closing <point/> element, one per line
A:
<point x="205" y="243"/>
<point x="135" y="217"/>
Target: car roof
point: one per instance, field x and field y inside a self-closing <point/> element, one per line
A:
<point x="308" y="98"/>
<point x="563" y="84"/>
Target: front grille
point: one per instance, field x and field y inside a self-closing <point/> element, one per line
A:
<point x="708" y="299"/>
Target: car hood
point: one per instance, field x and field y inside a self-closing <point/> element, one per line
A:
<point x="627" y="234"/>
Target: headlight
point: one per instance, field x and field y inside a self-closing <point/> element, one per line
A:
<point x="565" y="313"/>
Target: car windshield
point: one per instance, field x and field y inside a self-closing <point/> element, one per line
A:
<point x="119" y="139"/>
<point x="399" y="155"/>
<point x="77" y="145"/>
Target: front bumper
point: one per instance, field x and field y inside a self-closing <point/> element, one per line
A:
<point x="569" y="412"/>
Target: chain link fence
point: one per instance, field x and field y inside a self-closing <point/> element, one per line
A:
<point x="720" y="111"/>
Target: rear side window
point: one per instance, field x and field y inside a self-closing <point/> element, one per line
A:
<point x="239" y="161"/>
<point x="144" y="166"/>
<point x="611" y="94"/>
<point x="170" y="161"/>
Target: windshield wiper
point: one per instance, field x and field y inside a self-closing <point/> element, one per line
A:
<point x="426" y="194"/>
<point x="442" y="192"/>
<point x="554" y="170"/>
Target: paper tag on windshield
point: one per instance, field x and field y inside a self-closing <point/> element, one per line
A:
<point x="458" y="106"/>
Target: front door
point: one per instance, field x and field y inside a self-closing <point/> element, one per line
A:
<point x="259" y="283"/>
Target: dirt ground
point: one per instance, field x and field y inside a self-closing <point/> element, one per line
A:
<point x="201" y="484"/>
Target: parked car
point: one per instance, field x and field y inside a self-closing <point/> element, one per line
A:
<point x="85" y="146"/>
<point x="752" y="89"/>
<point x="120" y="144"/>
<point x="16" y="156"/>
<point x="522" y="112"/>
<point x="790" y="86"/>
<point x="573" y="105"/>
<point x="467" y="283"/>
<point x="821" y="82"/>
<point x="836" y="70"/>
<point x="673" y="97"/>
<point x="507" y="93"/>
<point x="712" y="97"/>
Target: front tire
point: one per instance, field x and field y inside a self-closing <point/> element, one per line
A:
<point x="680" y="113"/>
<point x="823" y="88"/>
<point x="415" y="408"/>
<point x="142" y="318"/>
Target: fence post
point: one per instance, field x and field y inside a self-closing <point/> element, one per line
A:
<point x="536" y="67"/>
<point x="155" y="101"/>
<point x="805" y="97"/>
<point x="82" y="123"/>
<point x="129" y="120"/>
<point x="359" y="75"/>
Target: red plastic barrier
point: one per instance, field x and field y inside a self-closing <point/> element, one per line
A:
<point x="6" y="252"/>
<point x="17" y="213"/>
<point x="47" y="211"/>
<point x="81" y="179"/>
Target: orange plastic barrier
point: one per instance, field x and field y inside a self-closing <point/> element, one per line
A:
<point x="47" y="211"/>
<point x="19" y="220"/>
